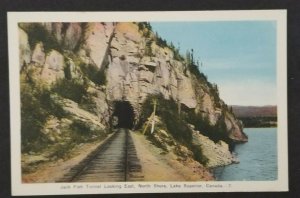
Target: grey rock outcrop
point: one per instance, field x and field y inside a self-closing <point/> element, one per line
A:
<point x="138" y="75"/>
<point x="96" y="38"/>
<point x="24" y="48"/>
<point x="54" y="67"/>
<point x="217" y="154"/>
<point x="38" y="55"/>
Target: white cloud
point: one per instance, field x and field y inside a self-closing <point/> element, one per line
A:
<point x="254" y="93"/>
<point x="233" y="63"/>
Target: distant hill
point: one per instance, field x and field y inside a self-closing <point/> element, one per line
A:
<point x="256" y="116"/>
<point x="254" y="111"/>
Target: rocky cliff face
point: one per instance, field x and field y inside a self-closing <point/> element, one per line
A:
<point x="116" y="62"/>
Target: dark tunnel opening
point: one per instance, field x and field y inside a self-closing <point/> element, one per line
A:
<point x="124" y="113"/>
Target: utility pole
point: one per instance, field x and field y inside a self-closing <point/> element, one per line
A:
<point x="152" y="118"/>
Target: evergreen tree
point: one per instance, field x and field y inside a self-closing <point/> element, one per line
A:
<point x="192" y="56"/>
<point x="188" y="57"/>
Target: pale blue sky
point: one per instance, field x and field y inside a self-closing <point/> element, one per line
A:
<point x="240" y="56"/>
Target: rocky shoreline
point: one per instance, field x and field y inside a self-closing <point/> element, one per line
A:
<point x="218" y="154"/>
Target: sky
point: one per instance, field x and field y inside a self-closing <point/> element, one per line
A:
<point x="239" y="56"/>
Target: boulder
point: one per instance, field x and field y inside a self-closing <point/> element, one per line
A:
<point x="218" y="154"/>
<point x="24" y="49"/>
<point x="55" y="61"/>
<point x="38" y="55"/>
<point x="82" y="115"/>
<point x="54" y="67"/>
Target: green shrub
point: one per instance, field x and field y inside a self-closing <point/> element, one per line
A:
<point x="161" y="42"/>
<point x="157" y="143"/>
<point x="72" y="89"/>
<point x="194" y="69"/>
<point x="167" y="110"/>
<point x="176" y="125"/>
<point x="198" y="154"/>
<point x="146" y="28"/>
<point x="33" y="117"/>
<point x="79" y="132"/>
<point x="148" y="48"/>
<point x="81" y="128"/>
<point x="89" y="104"/>
<point x="67" y="69"/>
<point x="36" y="106"/>
<point x="84" y="27"/>
<point x="215" y="132"/>
<point x="62" y="150"/>
<point x="82" y="132"/>
<point x="98" y="76"/>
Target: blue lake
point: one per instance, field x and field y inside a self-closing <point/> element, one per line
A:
<point x="258" y="158"/>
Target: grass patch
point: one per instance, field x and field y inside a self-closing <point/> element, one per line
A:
<point x="62" y="150"/>
<point x="82" y="132"/>
<point x="79" y="132"/>
<point x="72" y="89"/>
<point x="156" y="142"/>
<point x="89" y="104"/>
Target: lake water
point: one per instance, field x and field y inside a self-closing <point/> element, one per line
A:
<point x="258" y="158"/>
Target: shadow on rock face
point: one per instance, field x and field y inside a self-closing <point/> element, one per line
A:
<point x="124" y="113"/>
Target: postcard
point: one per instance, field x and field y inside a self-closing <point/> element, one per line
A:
<point x="148" y="102"/>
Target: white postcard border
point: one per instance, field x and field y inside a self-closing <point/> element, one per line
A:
<point x="19" y="188"/>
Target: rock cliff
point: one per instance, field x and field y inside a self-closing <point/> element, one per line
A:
<point x="112" y="62"/>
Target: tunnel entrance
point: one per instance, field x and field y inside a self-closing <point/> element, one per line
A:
<point x="124" y="115"/>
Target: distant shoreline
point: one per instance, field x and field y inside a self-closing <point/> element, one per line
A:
<point x="254" y="111"/>
<point x="258" y="122"/>
<point x="256" y="116"/>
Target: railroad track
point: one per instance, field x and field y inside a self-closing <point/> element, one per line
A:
<point x="113" y="161"/>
